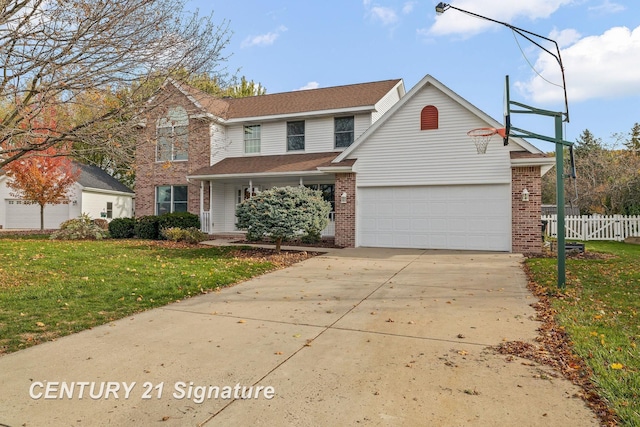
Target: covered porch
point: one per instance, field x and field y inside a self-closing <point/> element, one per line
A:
<point x="233" y="180"/>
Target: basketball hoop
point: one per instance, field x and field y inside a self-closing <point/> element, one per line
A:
<point x="482" y="136"/>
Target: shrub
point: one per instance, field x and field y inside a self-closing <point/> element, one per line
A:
<point x="102" y="223"/>
<point x="182" y="220"/>
<point x="312" y="236"/>
<point x="79" y="228"/>
<point x="283" y="213"/>
<point x="188" y="235"/>
<point x="122" y="228"/>
<point x="147" y="227"/>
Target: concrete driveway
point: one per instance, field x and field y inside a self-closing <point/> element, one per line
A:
<point x="355" y="337"/>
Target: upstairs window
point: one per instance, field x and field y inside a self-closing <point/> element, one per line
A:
<point x="343" y="128"/>
<point x="429" y="118"/>
<point x="295" y="136"/>
<point x="252" y="139"/>
<point x="172" y="133"/>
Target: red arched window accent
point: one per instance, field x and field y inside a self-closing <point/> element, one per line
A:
<point x="429" y="118"/>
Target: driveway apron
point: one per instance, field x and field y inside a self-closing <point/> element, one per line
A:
<point x="374" y="337"/>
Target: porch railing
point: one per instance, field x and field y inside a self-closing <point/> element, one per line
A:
<point x="330" y="229"/>
<point x="205" y="222"/>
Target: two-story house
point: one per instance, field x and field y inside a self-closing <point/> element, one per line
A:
<point x="397" y="167"/>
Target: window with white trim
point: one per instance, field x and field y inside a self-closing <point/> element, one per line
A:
<point x="295" y="136"/>
<point x="172" y="133"/>
<point x="252" y="134"/>
<point x="171" y="198"/>
<point x="343" y="129"/>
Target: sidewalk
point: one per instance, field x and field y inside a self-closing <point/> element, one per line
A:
<point x="374" y="337"/>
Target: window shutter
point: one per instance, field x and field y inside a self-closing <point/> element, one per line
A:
<point x="429" y="118"/>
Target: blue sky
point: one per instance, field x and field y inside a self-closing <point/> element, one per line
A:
<point x="298" y="44"/>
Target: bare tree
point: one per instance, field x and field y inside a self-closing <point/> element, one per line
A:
<point x="607" y="180"/>
<point x="66" y="54"/>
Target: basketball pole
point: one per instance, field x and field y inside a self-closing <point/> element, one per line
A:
<point x="560" y="144"/>
<point x="558" y="140"/>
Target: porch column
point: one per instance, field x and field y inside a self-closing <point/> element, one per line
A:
<point x="211" y="207"/>
<point x="201" y="198"/>
<point x="345" y="220"/>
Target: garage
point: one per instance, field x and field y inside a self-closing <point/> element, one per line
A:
<point x="23" y="215"/>
<point x="465" y="217"/>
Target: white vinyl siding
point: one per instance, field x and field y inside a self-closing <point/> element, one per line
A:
<point x="399" y="153"/>
<point x="385" y="104"/>
<point x="470" y="217"/>
<point x="95" y="203"/>
<point x="319" y="137"/>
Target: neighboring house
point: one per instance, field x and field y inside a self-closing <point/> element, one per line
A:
<point x="398" y="167"/>
<point x="96" y="193"/>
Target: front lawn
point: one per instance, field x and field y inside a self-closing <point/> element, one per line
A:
<point x="600" y="313"/>
<point x="53" y="288"/>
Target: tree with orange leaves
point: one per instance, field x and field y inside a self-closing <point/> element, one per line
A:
<point x="43" y="178"/>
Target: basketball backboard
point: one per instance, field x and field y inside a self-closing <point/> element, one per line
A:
<point x="506" y="112"/>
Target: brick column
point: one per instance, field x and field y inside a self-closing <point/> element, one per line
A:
<point x="345" y="220"/>
<point x="526" y="231"/>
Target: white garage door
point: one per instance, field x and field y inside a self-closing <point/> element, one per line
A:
<point x="474" y="217"/>
<point x="21" y="215"/>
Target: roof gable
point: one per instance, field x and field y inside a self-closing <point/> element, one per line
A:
<point x="430" y="80"/>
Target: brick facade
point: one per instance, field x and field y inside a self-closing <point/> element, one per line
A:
<point x="150" y="173"/>
<point x="345" y="220"/>
<point x="526" y="231"/>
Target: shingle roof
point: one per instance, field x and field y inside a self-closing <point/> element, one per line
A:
<point x="272" y="164"/>
<point x="302" y="101"/>
<point x="94" y="177"/>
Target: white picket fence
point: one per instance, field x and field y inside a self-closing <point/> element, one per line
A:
<point x="595" y="227"/>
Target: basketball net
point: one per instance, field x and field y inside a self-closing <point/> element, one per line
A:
<point x="482" y="136"/>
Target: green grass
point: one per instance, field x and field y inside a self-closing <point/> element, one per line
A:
<point x="50" y="289"/>
<point x="601" y="313"/>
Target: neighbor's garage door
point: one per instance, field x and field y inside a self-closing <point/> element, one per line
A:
<point x="21" y="215"/>
<point x="436" y="217"/>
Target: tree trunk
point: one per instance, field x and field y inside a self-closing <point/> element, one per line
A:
<point x="41" y="217"/>
<point x="278" y="244"/>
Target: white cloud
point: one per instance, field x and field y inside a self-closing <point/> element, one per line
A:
<point x="386" y="15"/>
<point x="263" y="39"/>
<point x="607" y="7"/>
<point x="565" y="37"/>
<point x="602" y="66"/>
<point x="408" y="7"/>
<point x="456" y="22"/>
<point x="310" y="85"/>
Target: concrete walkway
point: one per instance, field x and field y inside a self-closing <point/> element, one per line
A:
<point x="366" y="337"/>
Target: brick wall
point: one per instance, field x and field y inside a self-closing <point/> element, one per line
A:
<point x="150" y="174"/>
<point x="345" y="221"/>
<point x="526" y="231"/>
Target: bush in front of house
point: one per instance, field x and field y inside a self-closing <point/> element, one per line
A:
<point x="188" y="235"/>
<point x="122" y="228"/>
<point x="102" y="223"/>
<point x="182" y="220"/>
<point x="283" y="213"/>
<point x="147" y="227"/>
<point x="82" y="227"/>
